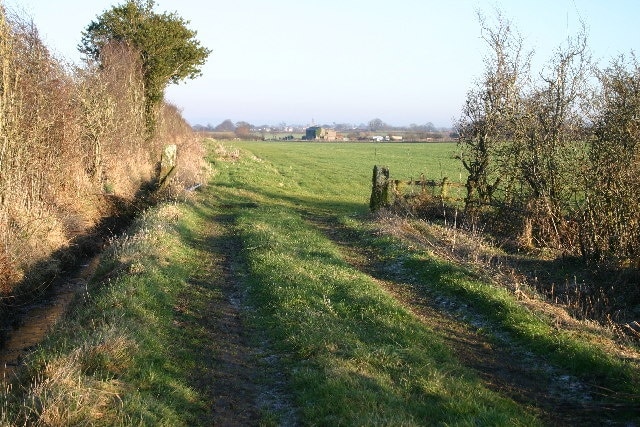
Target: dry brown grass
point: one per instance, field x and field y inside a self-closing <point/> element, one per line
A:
<point x="225" y="153"/>
<point x="522" y="274"/>
<point x="79" y="388"/>
<point x="8" y="273"/>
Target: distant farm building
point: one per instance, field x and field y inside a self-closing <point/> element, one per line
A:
<point x="317" y="132"/>
<point x="380" y="138"/>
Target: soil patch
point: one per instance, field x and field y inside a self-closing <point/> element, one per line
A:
<point x="35" y="320"/>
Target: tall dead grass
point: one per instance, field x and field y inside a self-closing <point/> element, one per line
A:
<point x="72" y="142"/>
<point x="79" y="388"/>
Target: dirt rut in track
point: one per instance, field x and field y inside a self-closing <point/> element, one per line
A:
<point x="37" y="319"/>
<point x="241" y="378"/>
<point x="557" y="397"/>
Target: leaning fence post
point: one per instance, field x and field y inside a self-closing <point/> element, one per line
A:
<point x="380" y="194"/>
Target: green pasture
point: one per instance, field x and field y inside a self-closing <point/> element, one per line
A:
<point x="341" y="173"/>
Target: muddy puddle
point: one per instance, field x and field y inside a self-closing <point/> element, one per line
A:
<point x="39" y="318"/>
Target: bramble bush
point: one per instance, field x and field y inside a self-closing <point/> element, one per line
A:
<point x="556" y="157"/>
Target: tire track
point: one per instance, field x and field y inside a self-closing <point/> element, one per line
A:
<point x="556" y="397"/>
<point x="240" y="375"/>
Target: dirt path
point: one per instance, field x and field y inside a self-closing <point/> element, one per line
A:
<point x="557" y="397"/>
<point x="240" y="377"/>
<point x="228" y="370"/>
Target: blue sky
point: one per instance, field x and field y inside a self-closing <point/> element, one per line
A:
<point x="346" y="61"/>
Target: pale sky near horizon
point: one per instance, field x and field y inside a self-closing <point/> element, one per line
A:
<point x="346" y="61"/>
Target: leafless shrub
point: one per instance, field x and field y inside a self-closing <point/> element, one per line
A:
<point x="611" y="224"/>
<point x="34" y="106"/>
<point x="111" y="100"/>
<point x="548" y="148"/>
<point x="523" y="139"/>
<point x="489" y="117"/>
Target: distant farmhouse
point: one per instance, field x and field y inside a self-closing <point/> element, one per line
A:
<point x="317" y="132"/>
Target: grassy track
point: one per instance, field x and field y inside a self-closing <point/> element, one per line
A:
<point x="277" y="256"/>
<point x="355" y="355"/>
<point x="256" y="254"/>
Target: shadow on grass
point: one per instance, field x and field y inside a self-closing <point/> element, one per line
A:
<point x="431" y="279"/>
<point x="308" y="204"/>
<point x="227" y="366"/>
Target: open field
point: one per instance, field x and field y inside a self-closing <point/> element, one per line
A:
<point x="342" y="172"/>
<point x="273" y="297"/>
<point x="354" y="162"/>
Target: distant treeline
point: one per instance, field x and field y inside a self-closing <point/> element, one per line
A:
<point x="345" y="132"/>
<point x="75" y="146"/>
<point x="374" y="125"/>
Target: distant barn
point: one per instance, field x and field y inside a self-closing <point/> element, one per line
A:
<point x="317" y="132"/>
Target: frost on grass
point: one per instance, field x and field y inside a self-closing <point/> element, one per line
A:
<point x="146" y="238"/>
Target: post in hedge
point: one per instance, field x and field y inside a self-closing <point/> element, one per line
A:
<point x="168" y="163"/>
<point x="380" y="194"/>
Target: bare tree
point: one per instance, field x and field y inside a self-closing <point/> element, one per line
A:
<point x="549" y="145"/>
<point x="376" y="125"/>
<point x="491" y="110"/>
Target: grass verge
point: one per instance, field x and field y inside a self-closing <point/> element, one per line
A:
<point x="126" y="354"/>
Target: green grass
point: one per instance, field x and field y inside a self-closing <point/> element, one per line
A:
<point x="341" y="173"/>
<point x="137" y="345"/>
<point x="327" y="180"/>
<point x="570" y="350"/>
<point x="355" y="355"/>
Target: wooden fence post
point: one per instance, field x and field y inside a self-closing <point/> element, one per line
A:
<point x="380" y="194"/>
<point x="445" y="188"/>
